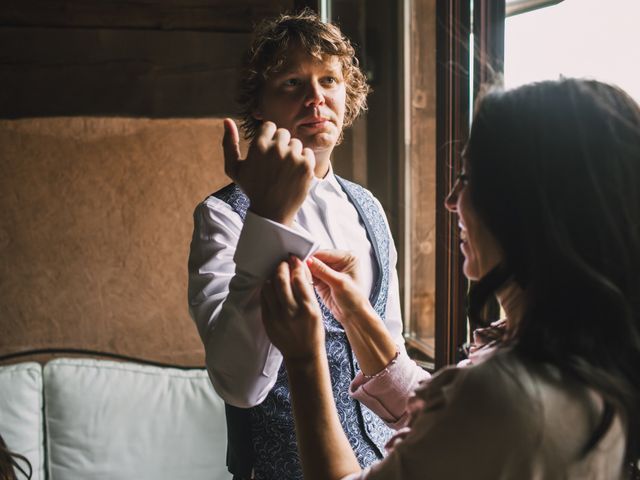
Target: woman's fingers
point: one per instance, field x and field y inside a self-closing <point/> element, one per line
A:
<point x="331" y="257"/>
<point x="341" y="261"/>
<point x="323" y="272"/>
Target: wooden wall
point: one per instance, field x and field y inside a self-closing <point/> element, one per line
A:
<point x="95" y="225"/>
<point x="152" y="58"/>
<point x="109" y="135"/>
<point x="422" y="225"/>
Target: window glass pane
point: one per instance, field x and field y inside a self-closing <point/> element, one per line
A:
<point x="576" y="38"/>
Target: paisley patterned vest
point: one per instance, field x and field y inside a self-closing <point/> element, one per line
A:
<point x="262" y="439"/>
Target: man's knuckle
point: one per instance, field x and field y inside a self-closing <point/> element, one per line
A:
<point x="261" y="144"/>
<point x="283" y="136"/>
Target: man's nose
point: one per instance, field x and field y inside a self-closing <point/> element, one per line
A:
<point x="315" y="94"/>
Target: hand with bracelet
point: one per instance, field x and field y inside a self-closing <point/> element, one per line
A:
<point x="293" y="322"/>
<point x="335" y="274"/>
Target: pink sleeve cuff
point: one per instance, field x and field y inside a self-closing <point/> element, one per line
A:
<point x="387" y="392"/>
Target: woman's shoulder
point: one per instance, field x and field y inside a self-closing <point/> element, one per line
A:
<point x="498" y="389"/>
<point x="502" y="418"/>
<point x="503" y="374"/>
<point x="469" y="421"/>
<point x="530" y="407"/>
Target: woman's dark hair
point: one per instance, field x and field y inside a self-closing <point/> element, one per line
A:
<point x="9" y="460"/>
<point x="554" y="173"/>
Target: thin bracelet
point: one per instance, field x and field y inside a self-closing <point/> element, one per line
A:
<point x="393" y="360"/>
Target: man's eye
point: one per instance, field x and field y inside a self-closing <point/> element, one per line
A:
<point x="291" y="82"/>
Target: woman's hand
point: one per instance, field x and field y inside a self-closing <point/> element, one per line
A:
<point x="336" y="276"/>
<point x="291" y="314"/>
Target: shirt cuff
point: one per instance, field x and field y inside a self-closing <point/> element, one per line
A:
<point x="264" y="243"/>
<point x="387" y="392"/>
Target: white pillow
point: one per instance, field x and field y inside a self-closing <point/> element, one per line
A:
<point x="111" y="420"/>
<point x="21" y="421"/>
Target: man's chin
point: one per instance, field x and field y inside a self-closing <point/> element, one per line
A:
<point x="320" y="142"/>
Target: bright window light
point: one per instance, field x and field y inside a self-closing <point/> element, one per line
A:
<point x="576" y="38"/>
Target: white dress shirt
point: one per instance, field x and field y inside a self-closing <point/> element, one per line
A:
<point x="230" y="259"/>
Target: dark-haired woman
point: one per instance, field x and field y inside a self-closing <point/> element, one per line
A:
<point x="10" y="462"/>
<point x="548" y="204"/>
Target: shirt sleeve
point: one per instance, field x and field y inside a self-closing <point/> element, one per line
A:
<point x="228" y="262"/>
<point x="387" y="393"/>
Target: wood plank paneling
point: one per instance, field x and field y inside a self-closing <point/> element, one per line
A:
<point x="423" y="168"/>
<point x="217" y="15"/>
<point x="65" y="72"/>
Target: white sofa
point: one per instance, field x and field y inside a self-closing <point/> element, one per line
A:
<point x="94" y="419"/>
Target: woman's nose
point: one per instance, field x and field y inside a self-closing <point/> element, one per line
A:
<point x="451" y="202"/>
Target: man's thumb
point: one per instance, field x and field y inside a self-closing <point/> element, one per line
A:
<point x="230" y="147"/>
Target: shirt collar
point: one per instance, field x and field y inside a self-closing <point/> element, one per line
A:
<point x="329" y="182"/>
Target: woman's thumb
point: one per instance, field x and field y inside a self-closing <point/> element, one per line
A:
<point x="322" y="271"/>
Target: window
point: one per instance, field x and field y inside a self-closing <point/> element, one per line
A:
<point x="582" y="38"/>
<point x="407" y="148"/>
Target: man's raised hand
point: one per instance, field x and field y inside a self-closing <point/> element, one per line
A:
<point x="277" y="173"/>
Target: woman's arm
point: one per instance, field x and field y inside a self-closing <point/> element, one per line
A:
<point x="324" y="449"/>
<point x="395" y="375"/>
<point x="294" y="324"/>
<point x="335" y="275"/>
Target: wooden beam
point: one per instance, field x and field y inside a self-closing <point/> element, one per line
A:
<point x="422" y="178"/>
<point x="452" y="130"/>
<point x="209" y="15"/>
<point x="60" y="72"/>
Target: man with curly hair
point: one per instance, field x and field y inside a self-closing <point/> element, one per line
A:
<point x="300" y="88"/>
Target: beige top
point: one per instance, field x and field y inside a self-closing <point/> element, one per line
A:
<point x="502" y="420"/>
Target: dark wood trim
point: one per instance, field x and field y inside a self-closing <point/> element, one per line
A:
<point x="165" y="15"/>
<point x="301" y="4"/>
<point x="488" y="34"/>
<point x="66" y="72"/>
<point x="452" y="128"/>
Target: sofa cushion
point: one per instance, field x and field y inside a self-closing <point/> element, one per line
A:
<point x="111" y="420"/>
<point x="21" y="423"/>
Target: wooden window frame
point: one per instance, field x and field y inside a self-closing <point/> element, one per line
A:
<point x="452" y="130"/>
<point x="455" y="21"/>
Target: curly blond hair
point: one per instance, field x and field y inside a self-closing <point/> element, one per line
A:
<point x="273" y="38"/>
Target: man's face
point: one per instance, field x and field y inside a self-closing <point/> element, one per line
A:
<point x="307" y="97"/>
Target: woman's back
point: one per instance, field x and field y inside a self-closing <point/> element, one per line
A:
<point x="503" y="420"/>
